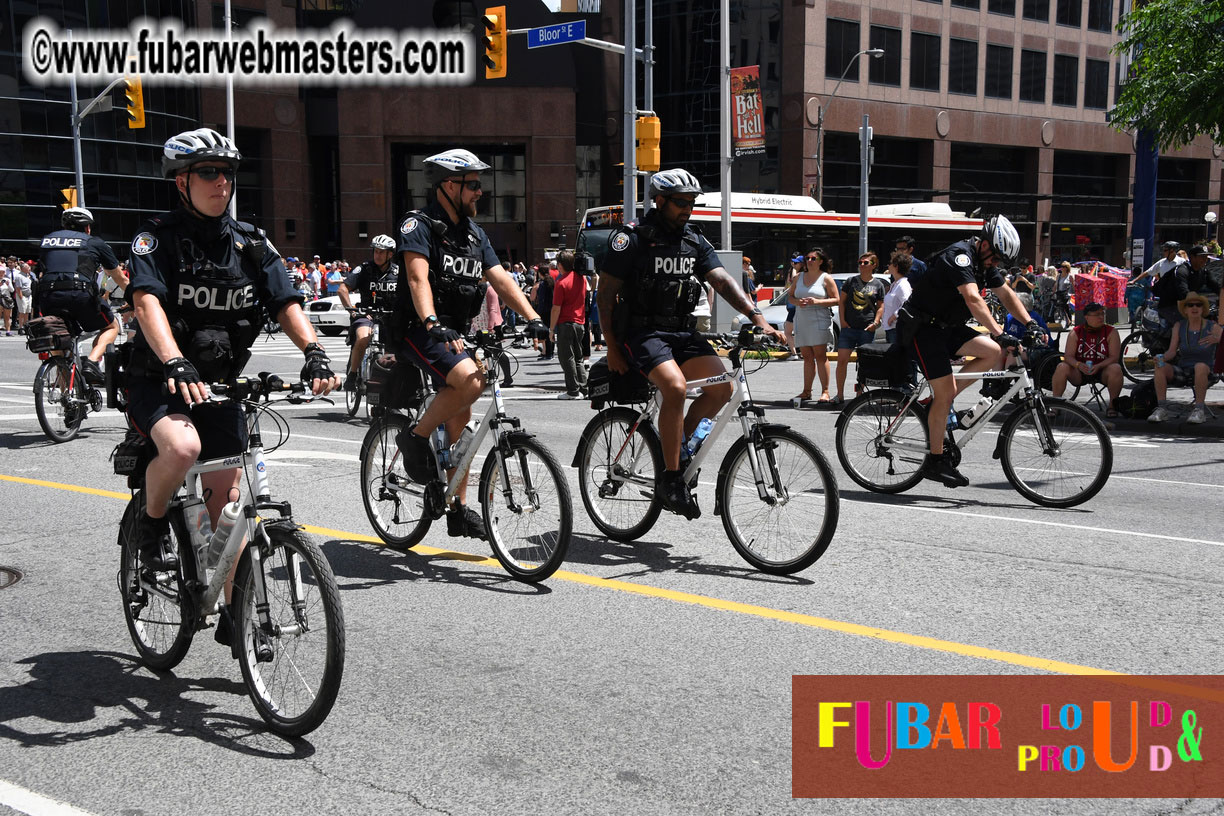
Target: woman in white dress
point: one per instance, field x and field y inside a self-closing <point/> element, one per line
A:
<point x="813" y="294"/>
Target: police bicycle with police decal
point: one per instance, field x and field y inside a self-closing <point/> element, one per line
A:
<point x="286" y="626"/>
<point x="776" y="494"/>
<point x="524" y="496"/>
<point x="1053" y="452"/>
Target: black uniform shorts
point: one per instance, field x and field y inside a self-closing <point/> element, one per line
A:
<point x="934" y="348"/>
<point x="91" y="313"/>
<point x="645" y="348"/>
<point x="222" y="428"/>
<point x="429" y="355"/>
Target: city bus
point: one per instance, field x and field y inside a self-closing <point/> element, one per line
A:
<point x="772" y="229"/>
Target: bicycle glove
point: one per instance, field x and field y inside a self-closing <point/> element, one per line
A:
<point x="318" y="364"/>
<point x="181" y="371"/>
<point x="1007" y="341"/>
<point x="444" y="334"/>
<point x="536" y="329"/>
<point x="1034" y="335"/>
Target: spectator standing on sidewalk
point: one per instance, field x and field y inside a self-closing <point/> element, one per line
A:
<point x="567" y="324"/>
<point x="1192" y="350"/>
<point x="8" y="300"/>
<point x="22" y="294"/>
<point x="917" y="267"/>
<point x="814" y="295"/>
<point x="860" y="312"/>
<point x="543" y="301"/>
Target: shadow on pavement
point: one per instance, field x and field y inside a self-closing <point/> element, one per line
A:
<point x="945" y="500"/>
<point x="363" y="565"/>
<point x="657" y="557"/>
<point x="76" y="696"/>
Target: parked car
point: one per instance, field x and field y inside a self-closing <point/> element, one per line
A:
<point x="775" y="311"/>
<point x="328" y="315"/>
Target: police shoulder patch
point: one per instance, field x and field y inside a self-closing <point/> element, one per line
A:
<point x="408" y="226"/>
<point x="963" y="260"/>
<point x="144" y="243"/>
<point x="620" y="241"/>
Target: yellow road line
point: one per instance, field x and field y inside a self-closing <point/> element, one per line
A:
<point x="763" y="612"/>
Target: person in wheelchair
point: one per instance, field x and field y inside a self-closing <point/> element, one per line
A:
<point x="198" y="282"/>
<point x="1093" y="354"/>
<point x="648" y="288"/>
<point x="1192" y="351"/>
<point x="67" y="284"/>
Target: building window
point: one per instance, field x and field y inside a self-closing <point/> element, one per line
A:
<point x="841" y="44"/>
<point x="1100" y="15"/>
<point x="962" y="66"/>
<point x="1033" y="76"/>
<point x="1096" y="84"/>
<point x="1037" y="10"/>
<point x="924" y="61"/>
<point x="1066" y="84"/>
<point x="885" y="70"/>
<point x="1007" y="7"/>
<point x="1069" y="13"/>
<point x="969" y="4"/>
<point x="998" y="71"/>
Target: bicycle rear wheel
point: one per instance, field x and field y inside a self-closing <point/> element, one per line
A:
<point x="880" y="447"/>
<point x="59" y="399"/>
<point x="393" y="503"/>
<point x="292" y="668"/>
<point x="159" y="612"/>
<point x="792" y="526"/>
<point x="1071" y="468"/>
<point x="617" y="471"/>
<point x="1139" y="357"/>
<point x="527" y="509"/>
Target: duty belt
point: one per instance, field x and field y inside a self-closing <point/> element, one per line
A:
<point x="662" y="322"/>
<point x="60" y="284"/>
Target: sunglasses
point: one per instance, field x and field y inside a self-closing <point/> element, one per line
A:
<point x="681" y="203"/>
<point x="472" y="185"/>
<point x="211" y="173"/>
<point x="866" y="262"/>
<point x="1194" y="305"/>
<point x="811" y="258"/>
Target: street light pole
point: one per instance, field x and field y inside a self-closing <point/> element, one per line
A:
<point x="874" y="53"/>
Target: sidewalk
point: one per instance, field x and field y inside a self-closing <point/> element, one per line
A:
<point x="1175" y="425"/>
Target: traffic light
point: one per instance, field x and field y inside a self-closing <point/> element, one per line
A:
<point x="134" y="94"/>
<point x="649" y="131"/>
<point x="70" y="198"/>
<point x="495" y="42"/>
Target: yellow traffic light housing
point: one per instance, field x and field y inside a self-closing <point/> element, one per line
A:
<point x="649" y="131"/>
<point x="134" y="94"/>
<point x="70" y="197"/>
<point x="495" y="42"/>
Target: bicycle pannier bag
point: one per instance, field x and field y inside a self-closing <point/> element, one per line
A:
<point x="604" y="386"/>
<point x="881" y="365"/>
<point x="48" y="334"/>
<point x="395" y="384"/>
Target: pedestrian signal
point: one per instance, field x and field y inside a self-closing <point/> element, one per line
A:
<point x="495" y="42"/>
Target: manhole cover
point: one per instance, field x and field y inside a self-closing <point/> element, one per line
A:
<point x="8" y="577"/>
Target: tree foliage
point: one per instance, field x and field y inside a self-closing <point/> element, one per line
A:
<point x="1176" y="83"/>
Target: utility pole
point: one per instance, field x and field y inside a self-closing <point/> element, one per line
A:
<point x="724" y="120"/>
<point x="629" y="200"/>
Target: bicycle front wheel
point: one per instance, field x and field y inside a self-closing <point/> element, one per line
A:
<point x="790" y="526"/>
<point x="292" y="665"/>
<point x="58" y="400"/>
<point x="1059" y="460"/>
<point x="879" y="446"/>
<point x="527" y="509"/>
<point x="352" y="399"/>
<point x="619" y="459"/>
<point x="1138" y="358"/>
<point x="158" y="610"/>
<point x="393" y="503"/>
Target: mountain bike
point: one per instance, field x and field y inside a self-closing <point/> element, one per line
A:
<point x="284" y="617"/>
<point x="62" y="396"/>
<point x="1054" y="453"/>
<point x="776" y="494"/>
<point x="524" y="497"/>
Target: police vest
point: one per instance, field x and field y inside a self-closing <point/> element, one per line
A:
<point x="456" y="272"/>
<point x="377" y="288"/>
<point x="667" y="287"/>
<point x="67" y="262"/>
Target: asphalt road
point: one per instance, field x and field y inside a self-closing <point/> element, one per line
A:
<point x="642" y="678"/>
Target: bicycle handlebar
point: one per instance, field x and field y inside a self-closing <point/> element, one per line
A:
<point x="263" y="385"/>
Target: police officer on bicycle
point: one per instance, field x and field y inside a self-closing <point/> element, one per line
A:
<point x="375" y="281"/>
<point x="651" y="283"/>
<point x="447" y="261"/>
<point x="67" y="285"/>
<point x="198" y="282"/>
<point x="932" y="326"/>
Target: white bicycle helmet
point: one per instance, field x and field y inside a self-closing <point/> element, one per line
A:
<point x="382" y="242"/>
<point x="670" y="182"/>
<point x="194" y="146"/>
<point x="1003" y="238"/>
<point x="76" y="218"/>
<point x="455" y="162"/>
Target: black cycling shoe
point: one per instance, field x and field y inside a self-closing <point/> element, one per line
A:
<point x="419" y="461"/>
<point x="465" y="522"/>
<point x="940" y="469"/>
<point x="157" y="546"/>
<point x="676" y="495"/>
<point x="350" y="382"/>
<point x="93" y="372"/>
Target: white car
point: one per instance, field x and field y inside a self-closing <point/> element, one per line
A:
<point x="775" y="312"/>
<point x="328" y="314"/>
